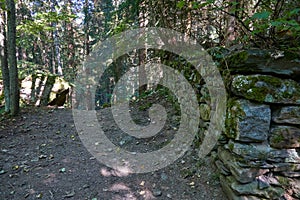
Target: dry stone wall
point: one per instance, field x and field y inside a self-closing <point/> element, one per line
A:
<point x="260" y="155"/>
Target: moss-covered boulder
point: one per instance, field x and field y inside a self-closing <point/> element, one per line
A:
<point x="268" y="89"/>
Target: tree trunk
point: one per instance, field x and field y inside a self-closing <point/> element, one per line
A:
<point x="56" y="48"/>
<point x="142" y="53"/>
<point x="3" y="57"/>
<point x="86" y="28"/>
<point x="12" y="60"/>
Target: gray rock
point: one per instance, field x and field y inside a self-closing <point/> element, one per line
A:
<point x="256" y="164"/>
<point x="246" y="175"/>
<point x="285" y="137"/>
<point x="288" y="115"/>
<point x="253" y="189"/>
<point x="247" y="121"/>
<point x="231" y="194"/>
<point x="263" y="182"/>
<point x="222" y="169"/>
<point x="250" y="189"/>
<point x="295" y="184"/>
<point x="284" y="155"/>
<point x="291" y="174"/>
<point x="279" y="167"/>
<point x="250" y="151"/>
<point x="260" y="61"/>
<point x="269" y="179"/>
<point x="242" y="175"/>
<point x="268" y="89"/>
<point x="157" y="193"/>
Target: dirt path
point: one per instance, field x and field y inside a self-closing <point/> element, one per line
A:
<point x="42" y="157"/>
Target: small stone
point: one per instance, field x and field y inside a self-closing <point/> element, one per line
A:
<point x="142" y="183"/>
<point x="157" y="193"/>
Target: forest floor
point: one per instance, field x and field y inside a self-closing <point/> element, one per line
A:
<point x="42" y="157"/>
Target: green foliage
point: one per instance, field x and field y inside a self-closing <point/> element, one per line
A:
<point x="119" y="28"/>
<point x="26" y="68"/>
<point x="2" y="4"/>
<point x="43" y="22"/>
<point x="180" y="4"/>
<point x="261" y="15"/>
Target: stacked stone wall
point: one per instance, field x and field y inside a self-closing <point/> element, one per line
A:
<point x="260" y="156"/>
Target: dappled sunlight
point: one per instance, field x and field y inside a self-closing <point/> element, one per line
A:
<point x="119" y="172"/>
<point x="147" y="194"/>
<point x="121" y="188"/>
<point x="126" y="197"/>
<point x="118" y="187"/>
<point x="124" y="192"/>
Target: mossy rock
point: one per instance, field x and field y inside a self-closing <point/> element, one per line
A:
<point x="267" y="89"/>
<point x="235" y="59"/>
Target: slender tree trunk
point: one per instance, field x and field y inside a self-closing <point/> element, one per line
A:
<point x="87" y="72"/>
<point x="3" y="57"/>
<point x="142" y="53"/>
<point x="56" y="43"/>
<point x="86" y="28"/>
<point x="12" y="60"/>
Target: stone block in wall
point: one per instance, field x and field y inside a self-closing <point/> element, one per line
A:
<point x="263" y="152"/>
<point x="268" y="89"/>
<point x="287" y="115"/>
<point x="295" y="185"/>
<point x="232" y="187"/>
<point x="284" y="156"/>
<point x="285" y="137"/>
<point x="247" y="121"/>
<point x="251" y="151"/>
<point x="222" y="168"/>
<point x="280" y="167"/>
<point x="232" y="195"/>
<point x="267" y="180"/>
<point x="291" y="174"/>
<point x="241" y="174"/>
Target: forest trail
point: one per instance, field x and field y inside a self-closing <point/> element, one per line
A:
<point x="42" y="157"/>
